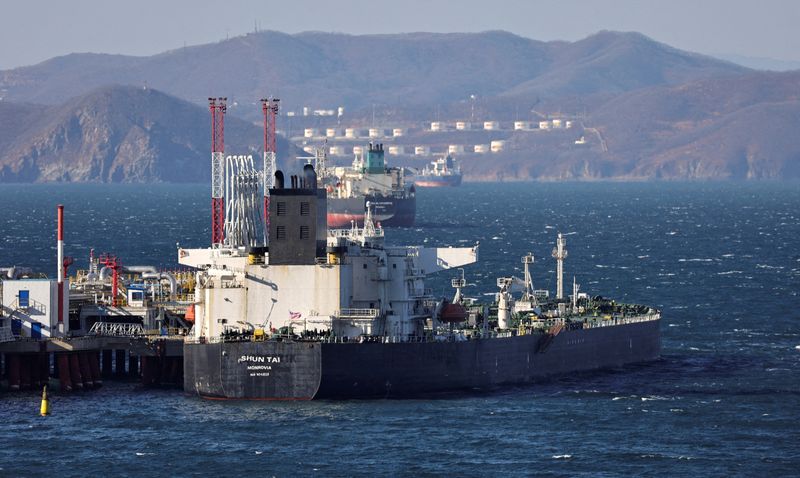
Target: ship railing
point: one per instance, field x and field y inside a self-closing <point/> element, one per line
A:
<point x="357" y="313"/>
<point x="190" y="339"/>
<point x="361" y="339"/>
<point x="352" y="234"/>
<point x="166" y="332"/>
<point x="622" y="320"/>
<point x="388" y="339"/>
<point x="339" y="233"/>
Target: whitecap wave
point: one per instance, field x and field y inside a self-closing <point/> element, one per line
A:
<point x="654" y="397"/>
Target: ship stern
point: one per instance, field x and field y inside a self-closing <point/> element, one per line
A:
<point x="268" y="370"/>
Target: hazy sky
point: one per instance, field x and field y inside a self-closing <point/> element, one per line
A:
<point x="34" y="30"/>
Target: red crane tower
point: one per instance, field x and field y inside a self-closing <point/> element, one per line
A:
<point x="269" y="106"/>
<point x="113" y="263"/>
<point x="218" y="107"/>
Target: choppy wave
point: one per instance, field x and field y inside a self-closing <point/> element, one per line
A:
<point x="728" y="376"/>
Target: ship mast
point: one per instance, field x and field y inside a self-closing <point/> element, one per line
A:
<point x="528" y="295"/>
<point x="458" y="284"/>
<point x="560" y="253"/>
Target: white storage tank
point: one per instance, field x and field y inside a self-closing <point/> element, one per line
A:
<point x="397" y="150"/>
<point x="337" y="151"/>
<point x="351" y="133"/>
<point x="305" y="110"/>
<point x="436" y="126"/>
<point x="481" y="148"/>
<point x="491" y="125"/>
<point x="309" y="149"/>
<point x="310" y="132"/>
<point x="331" y="132"/>
<point x="463" y="125"/>
<point x="568" y="124"/>
<point x="544" y="125"/>
<point x="556" y="123"/>
<point x="422" y="150"/>
<point x="340" y="111"/>
<point x="522" y="125"/>
<point x="497" y="145"/>
<point x="455" y="148"/>
<point x="397" y="132"/>
<point x="376" y="132"/>
<point x="358" y="150"/>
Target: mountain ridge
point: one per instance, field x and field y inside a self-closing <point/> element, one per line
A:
<point x="331" y="69"/>
<point x="118" y="134"/>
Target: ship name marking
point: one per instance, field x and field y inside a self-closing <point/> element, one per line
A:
<point x="259" y="359"/>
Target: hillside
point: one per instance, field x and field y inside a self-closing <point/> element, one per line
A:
<point x="325" y="70"/>
<point x="732" y="128"/>
<point x="115" y="134"/>
<point x="638" y="109"/>
<point x="739" y="128"/>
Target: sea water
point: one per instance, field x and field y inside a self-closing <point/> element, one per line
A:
<point x="721" y="260"/>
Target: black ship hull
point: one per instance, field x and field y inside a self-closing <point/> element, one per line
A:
<point x="389" y="211"/>
<point x="310" y="370"/>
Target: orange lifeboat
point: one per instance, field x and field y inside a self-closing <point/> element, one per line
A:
<point x="189" y="313"/>
<point x="453" y="313"/>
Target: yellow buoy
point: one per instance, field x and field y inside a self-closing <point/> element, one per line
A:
<point x="45" y="410"/>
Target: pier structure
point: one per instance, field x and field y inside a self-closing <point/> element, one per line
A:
<point x="83" y="363"/>
<point x="107" y="321"/>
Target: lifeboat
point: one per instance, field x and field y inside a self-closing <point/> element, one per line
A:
<point x="190" y="314"/>
<point x="453" y="313"/>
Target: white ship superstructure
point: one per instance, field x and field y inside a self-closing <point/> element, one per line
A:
<point x="352" y="285"/>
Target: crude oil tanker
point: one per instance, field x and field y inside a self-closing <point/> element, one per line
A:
<point x="443" y="172"/>
<point x="338" y="313"/>
<point x="369" y="179"/>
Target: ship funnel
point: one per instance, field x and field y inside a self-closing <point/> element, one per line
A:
<point x="278" y="179"/>
<point x="310" y="177"/>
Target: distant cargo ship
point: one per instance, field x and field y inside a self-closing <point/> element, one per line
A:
<point x="442" y="172"/>
<point x="369" y="180"/>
